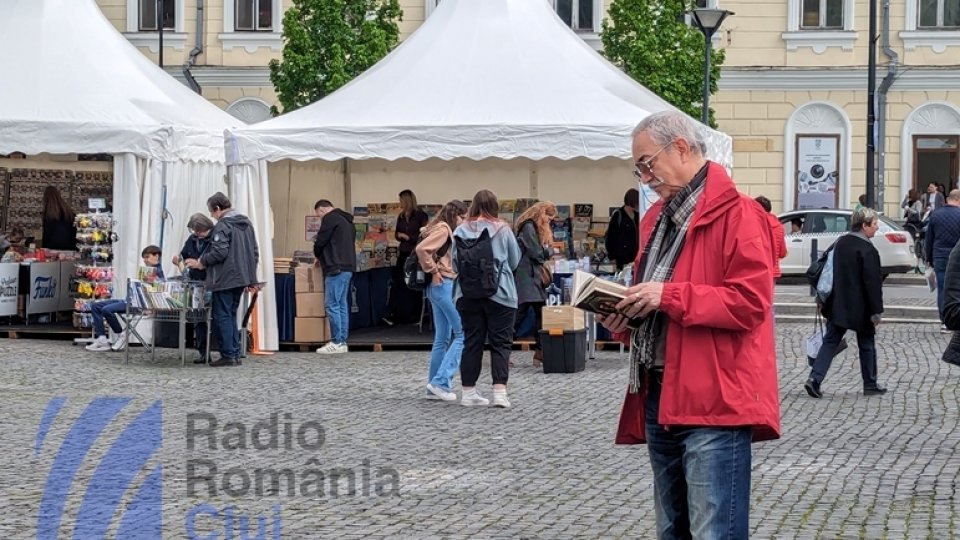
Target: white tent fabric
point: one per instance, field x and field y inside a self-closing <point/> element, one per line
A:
<point x="480" y="79"/>
<point x="73" y="84"/>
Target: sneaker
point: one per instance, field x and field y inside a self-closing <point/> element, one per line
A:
<point x="944" y="330"/>
<point x="500" y="399"/>
<point x="472" y="398"/>
<point x="432" y="397"/>
<point x="121" y="342"/>
<point x="445" y="395"/>
<point x="99" y="344"/>
<point x="333" y="348"/>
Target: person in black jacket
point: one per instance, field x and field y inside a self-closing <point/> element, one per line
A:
<point x="951" y="306"/>
<point x="199" y="226"/>
<point x="404" y="304"/>
<point x="942" y="234"/>
<point x="855" y="303"/>
<point x="337" y="257"/>
<point x="231" y="263"/>
<point x="622" y="239"/>
<point x="59" y="231"/>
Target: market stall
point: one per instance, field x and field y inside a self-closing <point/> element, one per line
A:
<point x="495" y="94"/>
<point x="77" y="86"/>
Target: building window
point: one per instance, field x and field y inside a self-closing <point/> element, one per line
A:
<point x="936" y="14"/>
<point x="254" y="15"/>
<point x="822" y="14"/>
<point x="577" y="14"/>
<point x="148" y="15"/>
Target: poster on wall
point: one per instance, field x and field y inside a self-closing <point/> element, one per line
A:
<point x="312" y="227"/>
<point x="9" y="280"/>
<point x="817" y="171"/>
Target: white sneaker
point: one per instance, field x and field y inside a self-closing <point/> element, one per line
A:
<point x="500" y="399"/>
<point x="121" y="342"/>
<point x="472" y="398"/>
<point x="432" y="397"/>
<point x="100" y="344"/>
<point x="333" y="348"/>
<point x="441" y="393"/>
<point x="944" y="330"/>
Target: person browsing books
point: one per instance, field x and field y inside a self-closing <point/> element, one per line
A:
<point x="106" y="310"/>
<point x="231" y="263"/>
<point x="196" y="244"/>
<point x="534" y="236"/>
<point x="703" y="374"/>
<point x="337" y="257"/>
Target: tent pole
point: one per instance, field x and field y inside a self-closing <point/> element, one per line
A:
<point x="163" y="202"/>
<point x="347" y="185"/>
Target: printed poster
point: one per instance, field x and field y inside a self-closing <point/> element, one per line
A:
<point x="817" y="173"/>
<point x="9" y="281"/>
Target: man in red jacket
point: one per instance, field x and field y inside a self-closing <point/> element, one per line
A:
<point x="703" y="378"/>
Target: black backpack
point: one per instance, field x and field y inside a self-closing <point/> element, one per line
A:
<point x="478" y="273"/>
<point x="413" y="275"/>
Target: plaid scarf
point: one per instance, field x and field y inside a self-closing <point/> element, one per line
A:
<point x="657" y="261"/>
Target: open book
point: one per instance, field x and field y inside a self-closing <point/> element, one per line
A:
<point x="597" y="295"/>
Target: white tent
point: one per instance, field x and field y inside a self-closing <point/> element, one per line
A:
<point x="73" y="84"/>
<point x="480" y="79"/>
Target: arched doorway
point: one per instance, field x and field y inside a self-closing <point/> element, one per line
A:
<point x="930" y="147"/>
<point x="816" y="153"/>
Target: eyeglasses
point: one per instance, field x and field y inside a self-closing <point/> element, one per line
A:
<point x="644" y="168"/>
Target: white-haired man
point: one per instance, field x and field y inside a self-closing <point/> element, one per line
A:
<point x="703" y="372"/>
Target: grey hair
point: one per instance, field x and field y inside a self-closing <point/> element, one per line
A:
<point x="863" y="217"/>
<point x="665" y="127"/>
<point x="200" y="222"/>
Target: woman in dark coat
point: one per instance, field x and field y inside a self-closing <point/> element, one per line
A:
<point x="855" y="303"/>
<point x="534" y="236"/>
<point x="195" y="246"/>
<point x="59" y="231"/>
<point x="404" y="304"/>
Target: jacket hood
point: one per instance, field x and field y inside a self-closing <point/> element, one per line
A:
<point x="346" y="216"/>
<point x="236" y="220"/>
<point x="473" y="228"/>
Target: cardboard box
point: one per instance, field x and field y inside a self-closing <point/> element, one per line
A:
<point x="310" y="305"/>
<point x="563" y="318"/>
<point x="311" y="329"/>
<point x="307" y="279"/>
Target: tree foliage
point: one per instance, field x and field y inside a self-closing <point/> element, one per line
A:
<point x="651" y="41"/>
<point x="326" y="43"/>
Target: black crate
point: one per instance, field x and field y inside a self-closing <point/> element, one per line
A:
<point x="565" y="353"/>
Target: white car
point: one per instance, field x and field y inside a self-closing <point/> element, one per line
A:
<point x="801" y="227"/>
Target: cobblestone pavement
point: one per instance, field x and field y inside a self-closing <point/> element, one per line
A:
<point x="848" y="466"/>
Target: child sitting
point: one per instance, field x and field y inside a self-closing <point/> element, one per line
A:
<point x="106" y="310"/>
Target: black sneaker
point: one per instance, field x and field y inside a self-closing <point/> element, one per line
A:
<point x="813" y="388"/>
<point x="951" y="354"/>
<point x="874" y="391"/>
<point x="226" y="362"/>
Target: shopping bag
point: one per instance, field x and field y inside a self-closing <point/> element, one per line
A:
<point x="931" y="280"/>
<point x="815" y="341"/>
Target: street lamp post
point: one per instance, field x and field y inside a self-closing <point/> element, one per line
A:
<point x="708" y="20"/>
<point x="160" y="31"/>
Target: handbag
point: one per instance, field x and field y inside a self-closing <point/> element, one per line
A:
<point x="815" y="340"/>
<point x="546" y="275"/>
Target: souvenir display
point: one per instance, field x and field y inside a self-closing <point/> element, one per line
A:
<point x="92" y="279"/>
<point x="21" y="194"/>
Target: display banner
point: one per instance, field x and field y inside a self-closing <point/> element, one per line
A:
<point x="817" y="176"/>
<point x="9" y="281"/>
<point x="43" y="294"/>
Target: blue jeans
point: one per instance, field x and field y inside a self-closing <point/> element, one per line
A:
<point x="831" y="340"/>
<point x="336" y="289"/>
<point x="224" y="309"/>
<point x="701" y="478"/>
<point x="448" y="337"/>
<point x="940" y="269"/>
<point x="106" y="310"/>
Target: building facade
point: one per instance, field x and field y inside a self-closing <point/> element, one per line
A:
<point x="793" y="92"/>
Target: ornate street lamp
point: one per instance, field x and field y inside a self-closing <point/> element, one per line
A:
<point x="708" y="20"/>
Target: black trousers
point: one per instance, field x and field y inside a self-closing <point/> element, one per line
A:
<point x="485" y="321"/>
<point x="404" y="305"/>
<point x="537" y="308"/>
